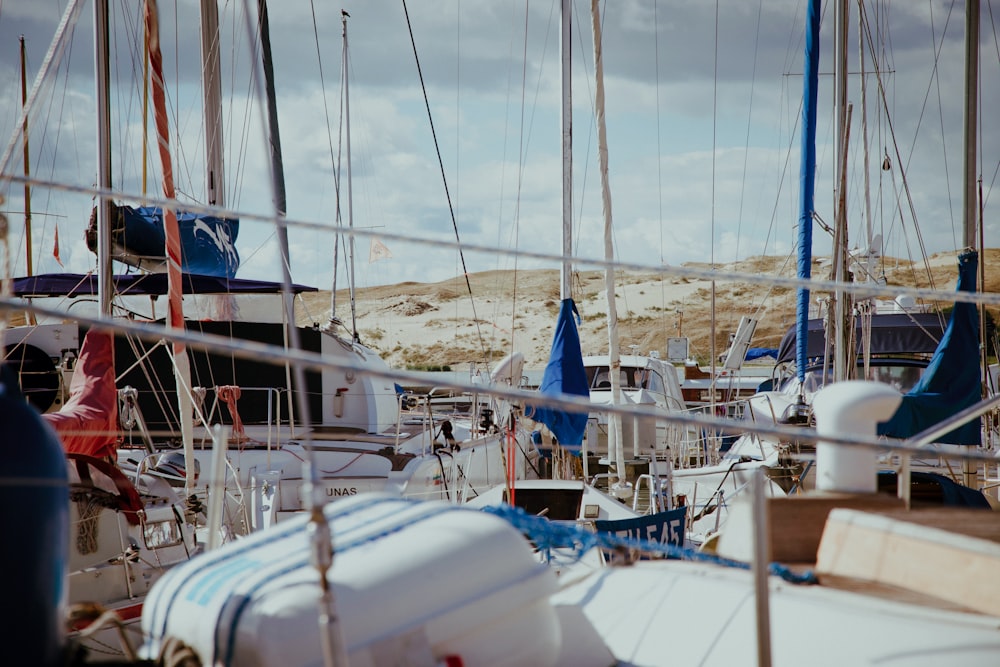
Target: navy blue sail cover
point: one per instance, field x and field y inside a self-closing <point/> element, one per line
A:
<point x="564" y="374"/>
<point x="951" y="381"/>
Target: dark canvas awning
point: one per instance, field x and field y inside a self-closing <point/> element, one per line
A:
<point x="892" y="333"/>
<point x="85" y="284"/>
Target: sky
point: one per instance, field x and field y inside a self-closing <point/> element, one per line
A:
<point x="702" y="111"/>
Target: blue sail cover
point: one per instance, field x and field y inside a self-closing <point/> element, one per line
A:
<point x="755" y="353"/>
<point x="208" y="243"/>
<point x="564" y="375"/>
<point x="951" y="381"/>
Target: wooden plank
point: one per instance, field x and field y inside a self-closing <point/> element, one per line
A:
<point x="915" y="551"/>
<point x="797" y="522"/>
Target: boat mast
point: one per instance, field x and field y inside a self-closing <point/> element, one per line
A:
<point x="175" y="320"/>
<point x="280" y="199"/>
<point x="869" y="233"/>
<point x="807" y="178"/>
<point x="145" y="108"/>
<point x="211" y="86"/>
<point x="27" y="169"/>
<point x="970" y="203"/>
<point x="616" y="448"/>
<point x="841" y="363"/>
<point x="350" y="198"/>
<point x="212" y="92"/>
<point x="565" y="44"/>
<point x="103" y="97"/>
<point x="274" y="138"/>
<point x="566" y="132"/>
<point x="321" y="542"/>
<point x="866" y="306"/>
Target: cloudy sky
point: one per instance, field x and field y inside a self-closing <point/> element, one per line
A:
<point x="703" y="106"/>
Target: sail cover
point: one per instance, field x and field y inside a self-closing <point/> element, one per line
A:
<point x="951" y="381"/>
<point x="564" y="375"/>
<point x="208" y="243"/>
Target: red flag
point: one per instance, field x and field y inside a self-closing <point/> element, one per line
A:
<point x="55" y="248"/>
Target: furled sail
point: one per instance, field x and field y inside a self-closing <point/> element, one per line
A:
<point x="564" y="375"/>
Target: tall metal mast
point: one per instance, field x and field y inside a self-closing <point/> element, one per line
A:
<point x="212" y="92"/>
<point x="840" y="346"/>
<point x="102" y="71"/>
<point x="27" y="166"/>
<point x="565" y="43"/>
<point x="350" y="192"/>
<point x="969" y="199"/>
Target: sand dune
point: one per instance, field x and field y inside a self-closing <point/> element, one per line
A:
<point x="422" y="325"/>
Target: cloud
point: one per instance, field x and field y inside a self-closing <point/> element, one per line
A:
<point x="703" y="123"/>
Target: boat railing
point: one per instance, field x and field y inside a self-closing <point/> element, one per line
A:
<point x="699" y="446"/>
<point x="221" y="396"/>
<point x="651" y="494"/>
<point x="715" y="504"/>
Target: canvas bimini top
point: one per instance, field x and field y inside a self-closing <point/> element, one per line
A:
<point x="891" y="334"/>
<point x="152" y="284"/>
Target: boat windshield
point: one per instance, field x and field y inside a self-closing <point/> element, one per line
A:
<point x="599" y="377"/>
<point x="900" y="373"/>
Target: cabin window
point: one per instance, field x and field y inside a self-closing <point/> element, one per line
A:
<point x="901" y="377"/>
<point x="162" y="534"/>
<point x="600" y="377"/>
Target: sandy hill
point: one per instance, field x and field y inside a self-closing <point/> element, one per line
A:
<point x="429" y="325"/>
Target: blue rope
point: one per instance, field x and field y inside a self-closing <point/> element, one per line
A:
<point x="548" y="535"/>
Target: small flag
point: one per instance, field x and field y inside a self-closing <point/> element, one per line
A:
<point x="55" y="247"/>
<point x="378" y="251"/>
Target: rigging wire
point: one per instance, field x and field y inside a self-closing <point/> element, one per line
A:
<point x="516" y="227"/>
<point x="659" y="153"/>
<point x="746" y="144"/>
<point x="715" y="120"/>
<point x="487" y="350"/>
<point x="899" y="161"/>
<point x="936" y="78"/>
<point x="444" y="179"/>
<point x="333" y="159"/>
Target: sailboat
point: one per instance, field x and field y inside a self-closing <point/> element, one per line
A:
<point x="140" y="484"/>
<point x="718" y="611"/>
<point x="569" y="494"/>
<point x="894" y="345"/>
<point x="379" y="579"/>
<point x="365" y="435"/>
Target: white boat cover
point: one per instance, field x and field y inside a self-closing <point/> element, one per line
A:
<point x="413" y="583"/>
